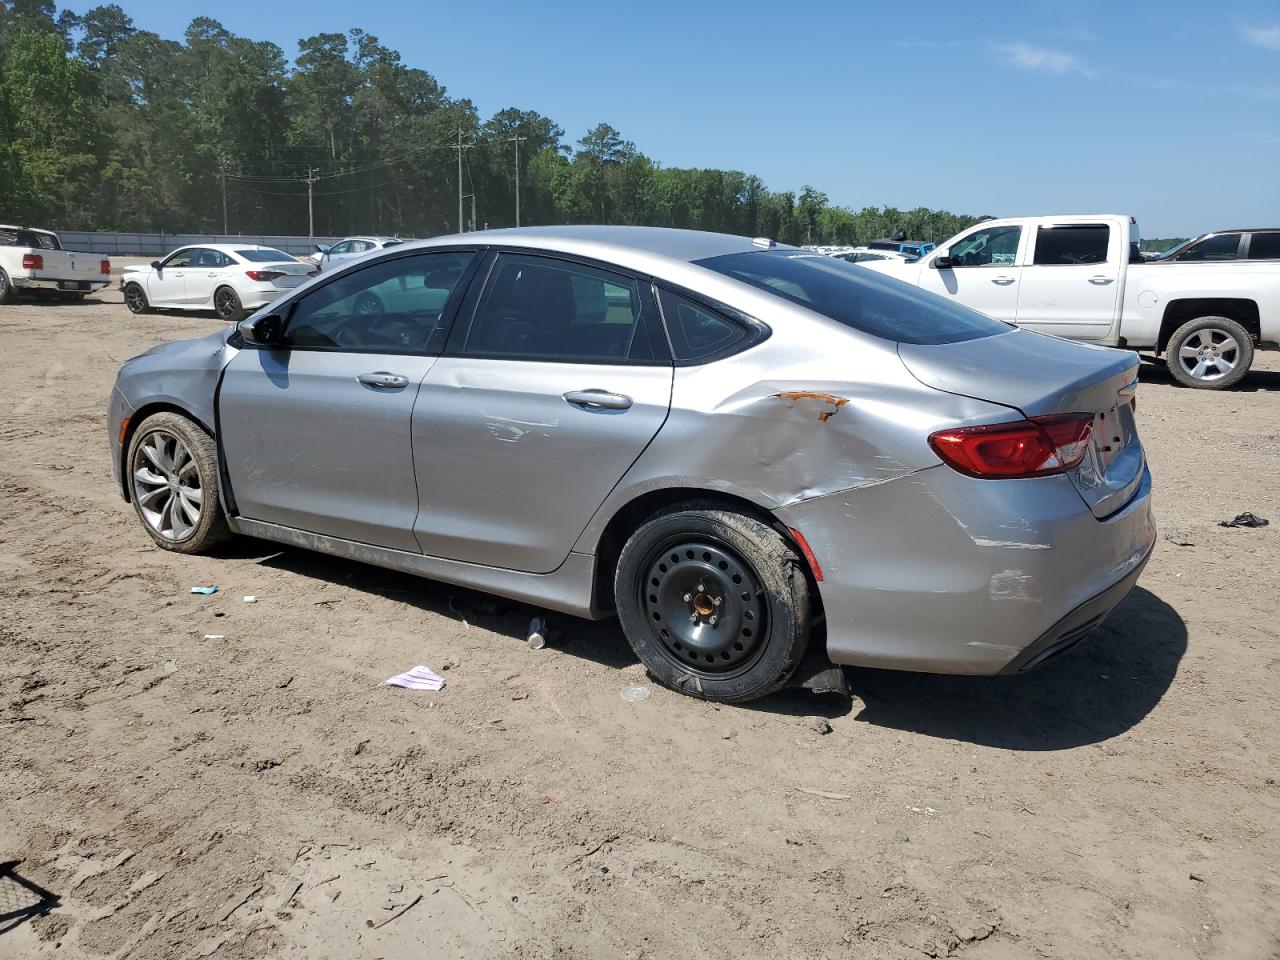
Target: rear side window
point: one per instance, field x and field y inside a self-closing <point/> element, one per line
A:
<point x="265" y="255"/>
<point x="1225" y="246"/>
<point x="694" y="330"/>
<point x="1264" y="246"/>
<point x="861" y="299"/>
<point x="537" y="308"/>
<point x="1072" y="244"/>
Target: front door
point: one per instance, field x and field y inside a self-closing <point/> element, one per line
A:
<point x="1071" y="284"/>
<point x="167" y="286"/>
<point x="316" y="434"/>
<point x="983" y="273"/>
<point x="548" y="399"/>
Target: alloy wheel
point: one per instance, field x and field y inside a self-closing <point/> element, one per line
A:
<point x="705" y="605"/>
<point x="1209" y="354"/>
<point x="224" y="303"/>
<point x="166" y="485"/>
<point x="134" y="299"/>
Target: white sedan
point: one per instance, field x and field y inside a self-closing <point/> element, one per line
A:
<point x="345" y="250"/>
<point x="231" y="279"/>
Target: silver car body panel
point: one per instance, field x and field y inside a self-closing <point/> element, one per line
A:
<point x="820" y="425"/>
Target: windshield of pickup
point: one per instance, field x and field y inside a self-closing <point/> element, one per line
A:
<point x="856" y="296"/>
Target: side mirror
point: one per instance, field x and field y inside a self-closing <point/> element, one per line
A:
<point x="264" y="331"/>
<point x="321" y="248"/>
<point x="155" y="264"/>
<point x="942" y="262"/>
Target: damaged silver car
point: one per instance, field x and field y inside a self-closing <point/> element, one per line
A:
<point x="740" y="448"/>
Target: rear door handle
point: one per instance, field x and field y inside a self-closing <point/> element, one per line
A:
<point x="1003" y="281"/>
<point x="598" y="400"/>
<point x="387" y="381"/>
<point x="1100" y="280"/>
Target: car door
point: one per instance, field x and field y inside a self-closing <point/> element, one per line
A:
<point x="167" y="285"/>
<point x="983" y="271"/>
<point x="208" y="268"/>
<point x="537" y="410"/>
<point x="335" y="254"/>
<point x="316" y="433"/>
<point x="1071" y="284"/>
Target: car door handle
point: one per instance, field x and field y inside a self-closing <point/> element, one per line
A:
<point x="1002" y="281"/>
<point x="598" y="400"/>
<point x="1100" y="280"/>
<point x="388" y="381"/>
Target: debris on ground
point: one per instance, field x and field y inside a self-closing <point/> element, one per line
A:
<point x="215" y="636"/>
<point x="824" y="794"/>
<point x="419" y="678"/>
<point x="1244" y="520"/>
<point x="250" y="598"/>
<point x="822" y="725"/>
<point x="1179" y="541"/>
<point x="206" y="589"/>
<point x="635" y="692"/>
<point x="537" y="637"/>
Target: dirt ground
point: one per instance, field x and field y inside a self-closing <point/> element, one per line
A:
<point x="185" y="776"/>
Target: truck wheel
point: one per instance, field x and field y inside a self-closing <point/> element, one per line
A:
<point x="1210" y="353"/>
<point x="173" y="483"/>
<point x="713" y="602"/>
<point x="6" y="288"/>
<point x="135" y="298"/>
<point x="226" y="304"/>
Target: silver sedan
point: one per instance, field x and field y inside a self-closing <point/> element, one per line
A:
<point x="739" y="448"/>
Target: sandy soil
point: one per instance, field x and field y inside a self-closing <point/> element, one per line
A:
<point x="193" y="776"/>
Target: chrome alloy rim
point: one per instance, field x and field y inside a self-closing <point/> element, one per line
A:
<point x="705" y="606"/>
<point x="166" y="485"/>
<point x="1209" y="354"/>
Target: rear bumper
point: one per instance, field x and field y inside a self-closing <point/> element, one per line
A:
<point x="68" y="285"/>
<point x="940" y="573"/>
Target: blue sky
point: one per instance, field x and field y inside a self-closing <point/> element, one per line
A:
<point x="1169" y="111"/>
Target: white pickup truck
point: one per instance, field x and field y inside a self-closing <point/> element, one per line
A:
<point x="33" y="261"/>
<point x="1081" y="277"/>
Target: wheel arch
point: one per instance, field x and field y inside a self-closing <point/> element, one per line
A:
<point x="136" y="419"/>
<point x="630" y="515"/>
<point x="1240" y="309"/>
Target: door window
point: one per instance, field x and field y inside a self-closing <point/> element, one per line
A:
<point x="990" y="247"/>
<point x="695" y="331"/>
<point x="1264" y="246"/>
<point x="536" y="308"/>
<point x="1071" y="245"/>
<point x="209" y="259"/>
<point x="1224" y="246"/>
<point x="389" y="307"/>
<point x="180" y="259"/>
<point x="340" y="248"/>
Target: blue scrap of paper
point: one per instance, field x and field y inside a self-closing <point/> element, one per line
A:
<point x="211" y="588"/>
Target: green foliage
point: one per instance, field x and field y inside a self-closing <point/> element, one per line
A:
<point x="103" y="125"/>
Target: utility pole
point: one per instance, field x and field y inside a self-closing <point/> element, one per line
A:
<point x="473" y="211"/>
<point x="222" y="172"/>
<point x="311" y="216"/>
<point x="516" y="140"/>
<point x="462" y="227"/>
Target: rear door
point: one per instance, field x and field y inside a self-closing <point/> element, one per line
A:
<point x="316" y="434"/>
<point x="208" y="268"/>
<point x="984" y="272"/>
<point x="1071" y="284"/>
<point x="539" y="407"/>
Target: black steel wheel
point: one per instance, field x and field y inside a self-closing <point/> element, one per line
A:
<point x="713" y="602"/>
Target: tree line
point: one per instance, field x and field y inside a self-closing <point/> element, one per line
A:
<point x="107" y="126"/>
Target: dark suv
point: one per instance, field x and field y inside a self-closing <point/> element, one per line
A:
<point x="1258" y="244"/>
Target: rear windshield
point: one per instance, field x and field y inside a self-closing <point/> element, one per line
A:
<point x="28" y="238"/>
<point x="856" y="297"/>
<point x="265" y="255"/>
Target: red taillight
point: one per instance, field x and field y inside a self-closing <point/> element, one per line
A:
<point x="104" y="268"/>
<point x="32" y="261"/>
<point x="261" y="275"/>
<point x="1038" y="447"/>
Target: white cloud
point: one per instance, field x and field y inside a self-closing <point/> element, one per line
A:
<point x="1043" y="59"/>
<point x="1267" y="37"/>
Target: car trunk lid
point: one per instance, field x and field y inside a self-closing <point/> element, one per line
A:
<point x="1041" y="376"/>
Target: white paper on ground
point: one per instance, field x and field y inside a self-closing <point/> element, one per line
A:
<point x="419" y="678"/>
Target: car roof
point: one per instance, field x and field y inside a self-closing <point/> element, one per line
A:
<point x="636" y="247"/>
<point x="227" y="247"/>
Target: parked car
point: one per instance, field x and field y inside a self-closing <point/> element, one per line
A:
<point x="328" y="257"/>
<point x="1225" y="245"/>
<point x="725" y="441"/>
<point x="869" y="255"/>
<point x="231" y="279"/>
<point x="33" y="261"/>
<point x="1081" y="277"/>
<point x="912" y="248"/>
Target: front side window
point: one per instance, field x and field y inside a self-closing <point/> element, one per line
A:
<point x="1264" y="246"/>
<point x="1072" y="245"/>
<point x="389" y="307"/>
<point x="180" y="259"/>
<point x="989" y="247"/>
<point x="1224" y="246"/>
<point x="536" y="308"/>
<point x="694" y="330"/>
<point x="340" y="248"/>
<point x="857" y="298"/>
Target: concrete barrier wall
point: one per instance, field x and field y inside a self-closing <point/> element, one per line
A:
<point x="158" y="244"/>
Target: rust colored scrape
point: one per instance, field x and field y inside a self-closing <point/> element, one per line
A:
<point x="836" y="402"/>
